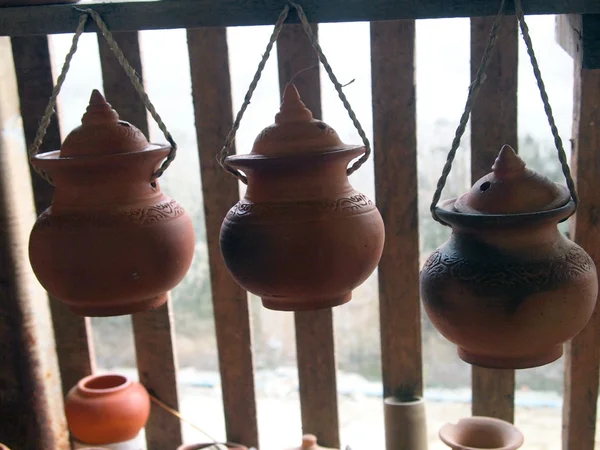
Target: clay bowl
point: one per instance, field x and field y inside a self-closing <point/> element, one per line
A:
<point x="478" y="433"/>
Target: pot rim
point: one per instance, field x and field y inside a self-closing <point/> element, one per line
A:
<point x="53" y="157"/>
<point x="415" y="400"/>
<point x="249" y="160"/>
<point x="448" y="214"/>
<point x="481" y="420"/>
<point x="82" y="385"/>
<point x="199" y="446"/>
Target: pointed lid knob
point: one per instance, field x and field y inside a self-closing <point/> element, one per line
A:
<point x="102" y="133"/>
<point x="295" y="131"/>
<point x="511" y="188"/>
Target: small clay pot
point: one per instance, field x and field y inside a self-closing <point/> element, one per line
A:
<point x="3" y="447"/>
<point x="478" y="433"/>
<point x="111" y="243"/>
<point x="507" y="287"/>
<point x="405" y="424"/>
<point x="106" y="409"/>
<point x="201" y="446"/>
<point x="309" y="442"/>
<point x="301" y="238"/>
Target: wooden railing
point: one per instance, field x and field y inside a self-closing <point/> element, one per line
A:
<point x="394" y="116"/>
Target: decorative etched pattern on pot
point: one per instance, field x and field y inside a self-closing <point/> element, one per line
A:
<point x="168" y="210"/>
<point x="291" y="210"/>
<point x="503" y="282"/>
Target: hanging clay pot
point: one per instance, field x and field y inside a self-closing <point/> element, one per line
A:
<point x="106" y="409"/>
<point x="507" y="287"/>
<point x="478" y="433"/>
<point x="212" y="446"/>
<point x="301" y="238"/>
<point x="309" y="442"/>
<point x="111" y="243"/>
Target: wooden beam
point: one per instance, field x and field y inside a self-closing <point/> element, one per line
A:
<point x="395" y="156"/>
<point x="582" y="355"/>
<point x="580" y="34"/>
<point x="31" y="408"/>
<point x="315" y="340"/>
<point x="153" y="331"/>
<point x="34" y="77"/>
<point x="494" y="123"/>
<point x="211" y="91"/>
<point x="146" y="15"/>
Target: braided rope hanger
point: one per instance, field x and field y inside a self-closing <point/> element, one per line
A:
<point x="131" y="74"/>
<point x="472" y="95"/>
<point x="225" y="151"/>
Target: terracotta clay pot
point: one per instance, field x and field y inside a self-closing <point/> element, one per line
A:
<point x="3" y="447"/>
<point x="301" y="238"/>
<point x="201" y="446"/>
<point x="507" y="287"/>
<point x="111" y="243"/>
<point x="106" y="409"/>
<point x="405" y="424"/>
<point x="309" y="442"/>
<point x="478" y="433"/>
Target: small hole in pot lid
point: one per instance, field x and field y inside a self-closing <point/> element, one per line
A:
<point x="485" y="186"/>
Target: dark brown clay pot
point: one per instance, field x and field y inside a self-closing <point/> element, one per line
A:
<point x="106" y="409"/>
<point x="111" y="243"/>
<point x="201" y="446"/>
<point x="309" y="442"/>
<point x="301" y="238"/>
<point x="478" y="433"/>
<point x="507" y="287"/>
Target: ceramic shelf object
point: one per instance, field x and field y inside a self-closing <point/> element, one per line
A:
<point x="478" y="433"/>
<point x="405" y="424"/>
<point x="107" y="409"/>
<point x="309" y="442"/>
<point x="507" y="287"/>
<point x="111" y="243"/>
<point x="301" y="238"/>
<point x="212" y="446"/>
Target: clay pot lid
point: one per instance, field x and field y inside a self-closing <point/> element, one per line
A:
<point x="295" y="132"/>
<point x="511" y="188"/>
<point x="309" y="442"/>
<point x="102" y="133"/>
<point x="479" y="432"/>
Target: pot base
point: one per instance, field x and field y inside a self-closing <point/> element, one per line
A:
<point x="499" y="362"/>
<point x="305" y="303"/>
<point x="120" y="310"/>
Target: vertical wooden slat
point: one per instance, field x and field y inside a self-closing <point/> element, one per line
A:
<point x="31" y="415"/>
<point x="34" y="76"/>
<point x="315" y="340"/>
<point x="395" y="155"/>
<point x="211" y="90"/>
<point x="153" y="330"/>
<point x="583" y="351"/>
<point x="493" y="123"/>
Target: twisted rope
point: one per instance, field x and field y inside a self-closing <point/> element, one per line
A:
<point x="562" y="157"/>
<point x="472" y="95"/>
<point x="225" y="151"/>
<point x="131" y="74"/>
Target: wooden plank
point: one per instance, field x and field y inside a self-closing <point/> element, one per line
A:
<point x="580" y="34"/>
<point x="395" y="156"/>
<point x="493" y="123"/>
<point x="31" y="415"/>
<point x="153" y="330"/>
<point x="34" y="77"/>
<point x="211" y="90"/>
<point x="582" y="355"/>
<point x="145" y="15"/>
<point x="315" y="342"/>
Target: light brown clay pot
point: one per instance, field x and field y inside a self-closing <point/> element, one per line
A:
<point x="405" y="424"/>
<point x="507" y="287"/>
<point x="478" y="433"/>
<point x="3" y="447"/>
<point x="301" y="238"/>
<point x="111" y="243"/>
<point x="34" y="2"/>
<point x="106" y="409"/>
<point x="201" y="446"/>
<point x="309" y="442"/>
